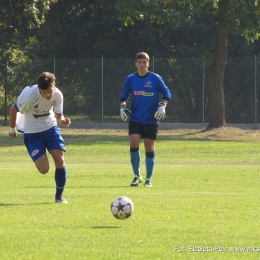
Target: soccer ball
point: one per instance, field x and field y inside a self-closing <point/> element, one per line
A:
<point x="122" y="208"/>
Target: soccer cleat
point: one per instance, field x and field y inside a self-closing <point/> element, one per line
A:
<point x="61" y="200"/>
<point x="136" y="181"/>
<point x="147" y="183"/>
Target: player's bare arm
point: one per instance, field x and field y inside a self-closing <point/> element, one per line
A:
<point x="62" y="121"/>
<point x="12" y="121"/>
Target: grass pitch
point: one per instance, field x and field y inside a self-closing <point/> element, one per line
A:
<point x="203" y="203"/>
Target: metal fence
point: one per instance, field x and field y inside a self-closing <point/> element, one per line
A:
<point x="92" y="87"/>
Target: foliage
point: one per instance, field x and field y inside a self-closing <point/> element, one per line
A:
<point x="96" y="28"/>
<point x="27" y="13"/>
<point x="88" y="95"/>
<point x="19" y="19"/>
<point x="31" y="31"/>
<point x="100" y="33"/>
<point x="243" y="16"/>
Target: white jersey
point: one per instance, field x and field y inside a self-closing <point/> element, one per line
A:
<point x="36" y="113"/>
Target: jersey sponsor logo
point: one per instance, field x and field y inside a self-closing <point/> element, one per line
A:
<point x="35" y="109"/>
<point x="35" y="152"/>
<point x="143" y="93"/>
<point x="149" y="94"/>
<point x="148" y="84"/>
<point x="139" y="93"/>
<point x="41" y="115"/>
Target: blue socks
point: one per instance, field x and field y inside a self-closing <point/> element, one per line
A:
<point x="60" y="179"/>
<point x="135" y="160"/>
<point x="149" y="163"/>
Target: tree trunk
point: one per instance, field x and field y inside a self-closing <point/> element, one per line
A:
<point x="216" y="73"/>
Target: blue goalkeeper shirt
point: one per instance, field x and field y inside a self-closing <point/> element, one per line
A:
<point x="145" y="92"/>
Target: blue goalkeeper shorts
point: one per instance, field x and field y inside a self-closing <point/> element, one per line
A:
<point x="37" y="143"/>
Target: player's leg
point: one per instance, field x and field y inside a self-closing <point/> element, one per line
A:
<point x="135" y="138"/>
<point x="135" y="153"/>
<point x="58" y="158"/>
<point x="56" y="146"/>
<point x="42" y="164"/>
<point x="60" y="173"/>
<point x="149" y="145"/>
<point x="37" y="151"/>
<point x="149" y="160"/>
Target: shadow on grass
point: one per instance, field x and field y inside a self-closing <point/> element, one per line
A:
<point x="106" y="139"/>
<point x="101" y="227"/>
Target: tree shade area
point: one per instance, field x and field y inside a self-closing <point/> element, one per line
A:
<point x="213" y="30"/>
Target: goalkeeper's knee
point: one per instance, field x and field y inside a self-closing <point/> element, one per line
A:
<point x="150" y="154"/>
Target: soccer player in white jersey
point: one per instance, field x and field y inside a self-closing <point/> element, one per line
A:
<point x="146" y="111"/>
<point x="38" y="113"/>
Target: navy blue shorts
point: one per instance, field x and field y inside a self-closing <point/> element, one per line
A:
<point x="149" y="131"/>
<point x="37" y="143"/>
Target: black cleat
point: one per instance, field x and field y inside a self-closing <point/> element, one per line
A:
<point x="136" y="181"/>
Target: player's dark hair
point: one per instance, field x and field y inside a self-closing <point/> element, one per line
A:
<point x="142" y="55"/>
<point x="46" y="80"/>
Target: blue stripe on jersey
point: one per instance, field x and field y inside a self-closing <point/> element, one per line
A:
<point x="15" y="105"/>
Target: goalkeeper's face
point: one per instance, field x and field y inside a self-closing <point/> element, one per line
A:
<point x="47" y="93"/>
<point x="142" y="66"/>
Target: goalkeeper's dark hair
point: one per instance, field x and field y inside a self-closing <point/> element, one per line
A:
<point x="46" y="80"/>
<point x="142" y="55"/>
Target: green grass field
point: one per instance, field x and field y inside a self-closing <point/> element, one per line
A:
<point x="203" y="203"/>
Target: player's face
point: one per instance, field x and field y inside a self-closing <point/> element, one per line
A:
<point x="142" y="66"/>
<point x="47" y="93"/>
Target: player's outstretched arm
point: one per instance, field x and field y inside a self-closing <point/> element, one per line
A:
<point x="12" y="121"/>
<point x="62" y="121"/>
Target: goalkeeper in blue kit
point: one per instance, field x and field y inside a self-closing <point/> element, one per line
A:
<point x="146" y="110"/>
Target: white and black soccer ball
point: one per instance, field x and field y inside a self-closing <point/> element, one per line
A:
<point x="122" y="208"/>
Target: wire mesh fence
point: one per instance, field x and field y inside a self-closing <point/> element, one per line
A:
<point x="92" y="87"/>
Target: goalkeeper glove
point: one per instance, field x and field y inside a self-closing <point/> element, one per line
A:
<point x="124" y="113"/>
<point x="160" y="111"/>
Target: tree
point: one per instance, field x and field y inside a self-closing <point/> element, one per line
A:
<point x="216" y="73"/>
<point x="18" y="19"/>
<point x="230" y="16"/>
<point x="91" y="29"/>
